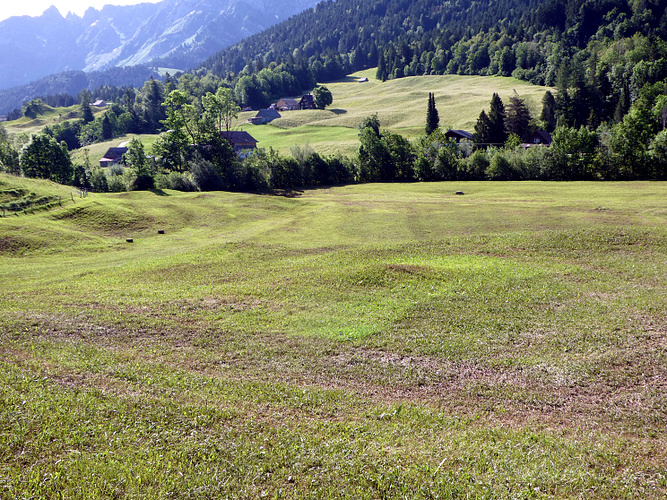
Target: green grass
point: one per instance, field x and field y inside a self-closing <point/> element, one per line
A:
<point x="96" y="151"/>
<point x="400" y="106"/>
<point x="372" y="341"/>
<point x="50" y="116"/>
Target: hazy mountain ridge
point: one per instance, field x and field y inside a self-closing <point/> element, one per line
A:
<point x="177" y="33"/>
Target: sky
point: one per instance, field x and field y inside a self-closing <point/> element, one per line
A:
<point x="9" y="8"/>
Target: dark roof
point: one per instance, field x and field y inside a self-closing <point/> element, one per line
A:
<point x="289" y="101"/>
<point x="542" y="135"/>
<point x="308" y="97"/>
<point x="462" y="134"/>
<point x="239" y="137"/>
<point x="114" y="153"/>
<point x="267" y="113"/>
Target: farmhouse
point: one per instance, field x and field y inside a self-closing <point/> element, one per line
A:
<point x="287" y="104"/>
<point x="3" y="118"/>
<point x="241" y="141"/>
<point x="99" y="104"/>
<point x="538" y="138"/>
<point x="113" y="156"/>
<point x="264" y="116"/>
<point x="362" y="80"/>
<point x="459" y="135"/>
<point x="307" y="102"/>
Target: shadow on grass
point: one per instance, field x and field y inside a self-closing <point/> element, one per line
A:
<point x="286" y="193"/>
<point x="338" y="111"/>
<point x="159" y="192"/>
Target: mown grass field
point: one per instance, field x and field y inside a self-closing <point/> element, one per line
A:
<point x="49" y="116"/>
<point x="96" y="151"/>
<point x="399" y="104"/>
<point x="371" y="341"/>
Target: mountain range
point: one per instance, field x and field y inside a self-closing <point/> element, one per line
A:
<point x="173" y="33"/>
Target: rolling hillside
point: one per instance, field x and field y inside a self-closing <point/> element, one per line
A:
<point x="368" y="341"/>
<point x="399" y="104"/>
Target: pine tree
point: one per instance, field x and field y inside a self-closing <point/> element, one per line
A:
<point x="107" y="129"/>
<point x="482" y="134"/>
<point x="381" y="73"/>
<point x="86" y="112"/>
<point x="517" y="117"/>
<point x="548" y="115"/>
<point x="497" y="133"/>
<point x="432" y="118"/>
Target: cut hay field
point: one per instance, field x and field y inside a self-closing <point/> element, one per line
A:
<point x="49" y="116"/>
<point x="96" y="151"/>
<point x="400" y="106"/>
<point x="370" y="341"/>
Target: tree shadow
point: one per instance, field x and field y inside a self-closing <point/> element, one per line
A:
<point x="338" y="111"/>
<point x="285" y="193"/>
<point x="159" y="192"/>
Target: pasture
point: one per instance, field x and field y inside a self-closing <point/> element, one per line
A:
<point x="400" y="106"/>
<point x="366" y="341"/>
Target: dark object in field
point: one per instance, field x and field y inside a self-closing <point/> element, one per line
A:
<point x="129" y="240"/>
<point x="160" y="231"/>
<point x="459" y="192"/>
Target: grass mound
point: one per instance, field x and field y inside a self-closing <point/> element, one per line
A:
<point x="101" y="218"/>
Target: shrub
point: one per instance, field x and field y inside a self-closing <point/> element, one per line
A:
<point x="499" y="168"/>
<point x="116" y="184"/>
<point x="98" y="181"/>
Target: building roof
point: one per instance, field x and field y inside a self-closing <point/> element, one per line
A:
<point x="238" y="137"/>
<point x="542" y="135"/>
<point x="538" y="138"/>
<point x="289" y="101"/>
<point x="267" y="113"/>
<point x="308" y="97"/>
<point x="114" y="153"/>
<point x="462" y="134"/>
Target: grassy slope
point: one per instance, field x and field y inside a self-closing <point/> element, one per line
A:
<point x="400" y="105"/>
<point x="96" y="151"/>
<point x="51" y="116"/>
<point x="375" y="341"/>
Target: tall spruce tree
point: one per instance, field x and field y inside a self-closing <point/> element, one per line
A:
<point x="517" y="117"/>
<point x="548" y="115"/>
<point x="432" y="118"/>
<point x="86" y="111"/>
<point x="482" y="135"/>
<point x="107" y="128"/>
<point x="497" y="133"/>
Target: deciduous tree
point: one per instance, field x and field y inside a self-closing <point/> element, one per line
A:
<point x="323" y="97"/>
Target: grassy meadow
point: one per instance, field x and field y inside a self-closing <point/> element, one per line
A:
<point x="49" y="116"/>
<point x="96" y="151"/>
<point x="368" y="341"/>
<point x="400" y="106"/>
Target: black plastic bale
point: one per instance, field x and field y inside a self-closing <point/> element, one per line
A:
<point x="459" y="192"/>
<point x="160" y="231"/>
<point x="129" y="240"/>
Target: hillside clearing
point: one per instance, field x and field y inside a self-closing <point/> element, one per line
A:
<point x="400" y="106"/>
